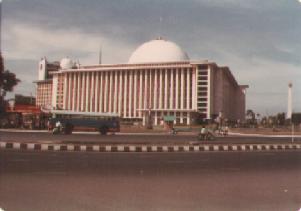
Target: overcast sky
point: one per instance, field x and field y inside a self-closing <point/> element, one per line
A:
<point x="259" y="40"/>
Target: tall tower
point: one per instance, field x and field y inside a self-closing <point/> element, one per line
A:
<point x="0" y="26"/>
<point x="99" y="55"/>
<point x="289" y="102"/>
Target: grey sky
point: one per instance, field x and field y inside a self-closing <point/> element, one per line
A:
<point x="258" y="40"/>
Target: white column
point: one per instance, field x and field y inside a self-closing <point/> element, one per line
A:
<point x="209" y="94"/>
<point x="194" y="89"/>
<point x="135" y="93"/>
<point x="140" y="92"/>
<point x="171" y="104"/>
<point x="101" y="97"/>
<point x="73" y="91"/>
<point x="160" y="89"/>
<point x="188" y="88"/>
<point x="120" y="93"/>
<point x="130" y="93"/>
<point x="188" y="118"/>
<point x="150" y="89"/>
<point x="87" y="91"/>
<point x="125" y="90"/>
<point x="165" y="89"/>
<point x="78" y="91"/>
<point x="83" y="91"/>
<point x="115" y="91"/>
<point x="181" y="117"/>
<point x="145" y="96"/>
<point x="92" y="99"/>
<point x="69" y="90"/>
<point x="182" y="89"/>
<point x="156" y="118"/>
<point x="177" y="89"/>
<point x="155" y="90"/>
<point x="145" y="88"/>
<point x="96" y="92"/>
<point x="106" y="92"/>
<point x="65" y="92"/>
<point x="54" y="91"/>
<point x="111" y="91"/>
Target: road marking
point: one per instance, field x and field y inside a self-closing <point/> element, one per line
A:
<point x="120" y="148"/>
<point x="2" y="144"/>
<point x="144" y="148"/>
<point x="95" y="148"/>
<point x="175" y="148"/>
<point x="108" y="148"/>
<point x="16" y="145"/>
<point x="56" y="147"/>
<point x="44" y="147"/>
<point x="83" y="148"/>
<point x="70" y="147"/>
<point x="234" y="148"/>
<point x="243" y="148"/>
<point x="186" y="148"/>
<point x="133" y="148"/>
<point x="30" y="146"/>
<point x="196" y="148"/>
<point x="206" y="148"/>
<point x="165" y="148"/>
<point x="226" y="148"/>
<point x="154" y="148"/>
<point x="216" y="148"/>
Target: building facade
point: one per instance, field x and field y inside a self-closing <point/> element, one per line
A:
<point x="158" y="81"/>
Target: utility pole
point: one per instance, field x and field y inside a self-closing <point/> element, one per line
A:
<point x="289" y="102"/>
<point x="290" y="108"/>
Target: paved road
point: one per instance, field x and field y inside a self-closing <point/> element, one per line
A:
<point x="167" y="181"/>
<point x="131" y="139"/>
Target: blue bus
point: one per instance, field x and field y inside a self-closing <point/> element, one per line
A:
<point x="64" y="121"/>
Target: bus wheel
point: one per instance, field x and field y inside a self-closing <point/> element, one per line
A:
<point x="68" y="129"/>
<point x="103" y="130"/>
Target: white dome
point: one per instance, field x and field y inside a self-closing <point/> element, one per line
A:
<point x="158" y="50"/>
<point x="66" y="63"/>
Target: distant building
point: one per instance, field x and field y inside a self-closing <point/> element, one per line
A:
<point x="158" y="81"/>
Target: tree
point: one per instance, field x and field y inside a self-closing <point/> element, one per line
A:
<point x="8" y="81"/>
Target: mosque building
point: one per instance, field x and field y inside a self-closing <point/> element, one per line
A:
<point x="159" y="81"/>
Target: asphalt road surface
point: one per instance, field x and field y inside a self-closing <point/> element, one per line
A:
<point x="153" y="181"/>
<point x="131" y="139"/>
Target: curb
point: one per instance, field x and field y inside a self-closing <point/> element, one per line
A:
<point x="146" y="148"/>
<point x="264" y="135"/>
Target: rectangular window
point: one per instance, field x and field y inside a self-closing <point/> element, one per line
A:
<point x="202" y="89"/>
<point x="203" y="78"/>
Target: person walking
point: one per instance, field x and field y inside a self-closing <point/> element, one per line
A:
<point x="204" y="133"/>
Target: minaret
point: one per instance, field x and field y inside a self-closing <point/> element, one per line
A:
<point x="0" y="26"/>
<point x="289" y="102"/>
<point x="99" y="55"/>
